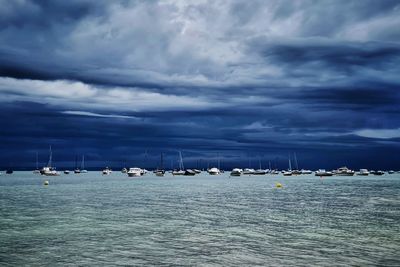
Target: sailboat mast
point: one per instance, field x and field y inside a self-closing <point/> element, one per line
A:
<point x="50" y="158"/>
<point x="145" y="158"/>
<point x="83" y="162"/>
<point x="295" y="161"/>
<point x="181" y="161"/>
<point x="37" y="160"/>
<point x="290" y="164"/>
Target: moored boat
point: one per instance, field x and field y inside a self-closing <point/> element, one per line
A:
<point x="178" y="172"/>
<point x="260" y="172"/>
<point x="83" y="165"/>
<point x="106" y="171"/>
<point x="274" y="172"/>
<point x="323" y="172"/>
<point x="287" y="173"/>
<point x="76" y="169"/>
<point x="296" y="172"/>
<point x="248" y="171"/>
<point x="363" y="172"/>
<point x="214" y="171"/>
<point x="134" y="172"/>
<point x="236" y="172"/>
<point x="190" y="172"/>
<point x="181" y="167"/>
<point x="344" y="171"/>
<point x="159" y="172"/>
<point x="49" y="170"/>
<point x="37" y="171"/>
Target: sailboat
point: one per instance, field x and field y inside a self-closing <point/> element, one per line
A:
<point x="37" y="164"/>
<point x="124" y="169"/>
<point x="214" y="170"/>
<point x="249" y="170"/>
<point x="296" y="171"/>
<point x="76" y="170"/>
<point x="160" y="171"/>
<point x="289" y="171"/>
<point x="259" y="171"/>
<point x="49" y="170"/>
<point x="181" y="170"/>
<point x="83" y="165"/>
<point x="106" y="171"/>
<point x="275" y="170"/>
<point x="219" y="165"/>
<point x="197" y="170"/>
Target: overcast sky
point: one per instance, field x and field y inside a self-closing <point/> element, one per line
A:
<point x="123" y="81"/>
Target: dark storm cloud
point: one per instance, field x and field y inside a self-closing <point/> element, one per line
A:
<point x="240" y="79"/>
<point x="44" y="14"/>
<point x="371" y="98"/>
<point x="337" y="56"/>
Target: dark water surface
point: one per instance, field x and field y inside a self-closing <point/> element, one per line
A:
<point x="90" y="219"/>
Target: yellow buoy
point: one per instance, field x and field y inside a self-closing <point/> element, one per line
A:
<point x="46" y="183"/>
<point x="279" y="185"/>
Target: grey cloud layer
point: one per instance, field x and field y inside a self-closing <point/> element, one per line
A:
<point x="188" y="43"/>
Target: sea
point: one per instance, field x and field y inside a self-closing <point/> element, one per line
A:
<point x="113" y="220"/>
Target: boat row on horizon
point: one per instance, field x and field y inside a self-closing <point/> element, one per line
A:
<point x="137" y="172"/>
<point x="49" y="170"/>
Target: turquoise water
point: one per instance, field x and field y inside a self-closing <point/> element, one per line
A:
<point x="90" y="219"/>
